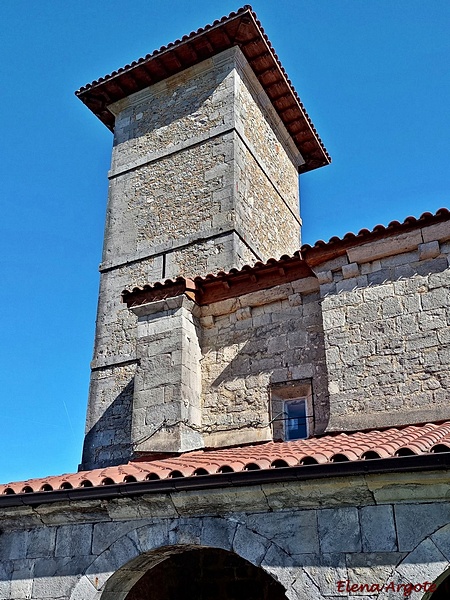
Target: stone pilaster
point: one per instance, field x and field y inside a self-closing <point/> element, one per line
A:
<point x="167" y="392"/>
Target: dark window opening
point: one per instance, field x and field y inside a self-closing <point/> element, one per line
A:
<point x="296" y="425"/>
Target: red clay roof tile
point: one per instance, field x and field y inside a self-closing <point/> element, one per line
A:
<point x="241" y="28"/>
<point x="322" y="251"/>
<point x="396" y="441"/>
<point x="274" y="272"/>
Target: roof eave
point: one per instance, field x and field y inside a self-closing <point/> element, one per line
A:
<point x="238" y="29"/>
<point x="403" y="464"/>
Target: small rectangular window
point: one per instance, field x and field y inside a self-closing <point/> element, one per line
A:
<point x="292" y="410"/>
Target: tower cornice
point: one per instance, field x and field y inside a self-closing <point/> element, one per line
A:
<point x="242" y="29"/>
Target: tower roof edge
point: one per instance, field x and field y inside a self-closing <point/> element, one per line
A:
<point x="241" y="28"/>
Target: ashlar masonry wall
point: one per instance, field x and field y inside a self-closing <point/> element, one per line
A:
<point x="206" y="374"/>
<point x="166" y="414"/>
<point x="373" y="342"/>
<point x="252" y="344"/>
<point x="198" y="152"/>
<point x="365" y="338"/>
<point x="386" y="320"/>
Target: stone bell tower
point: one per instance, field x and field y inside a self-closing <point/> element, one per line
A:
<point x="209" y="138"/>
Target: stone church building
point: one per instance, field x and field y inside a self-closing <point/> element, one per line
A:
<point x="258" y="427"/>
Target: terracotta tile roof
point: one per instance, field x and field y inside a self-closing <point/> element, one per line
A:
<point x="331" y="448"/>
<point x="322" y="250"/>
<point x="212" y="288"/>
<point x="241" y="28"/>
<point x="221" y="286"/>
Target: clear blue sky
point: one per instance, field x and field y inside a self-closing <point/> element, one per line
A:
<point x="374" y="77"/>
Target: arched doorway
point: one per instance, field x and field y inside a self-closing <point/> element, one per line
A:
<point x="443" y="590"/>
<point x="206" y="574"/>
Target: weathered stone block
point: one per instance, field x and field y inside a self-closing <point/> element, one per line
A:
<point x="398" y="260"/>
<point x="370" y="267"/>
<point x="397" y="244"/>
<point x="154" y="535"/>
<point x="305" y="285"/>
<point x="56" y="577"/>
<point x="429" y="250"/>
<point x="333" y="318"/>
<point x="73" y="540"/>
<point x="378" y="532"/>
<point x="250" y="545"/>
<point x="350" y="271"/>
<point x="346" y="285"/>
<point x="218" y="533"/>
<point x="441" y="279"/>
<point x="339" y="530"/>
<point x="22" y="580"/>
<point x="85" y="589"/>
<point x="381" y="277"/>
<point x="391" y="307"/>
<point x="438" y="231"/>
<point x="417" y="521"/>
<point x="295" y="533"/>
<point x="435" y="298"/>
<point x="441" y="538"/>
<point x="425" y="563"/>
<point x="327" y="289"/>
<point x="370" y="568"/>
<point x="41" y="542"/>
<point x="324" y="277"/>
<point x="431" y="265"/>
<point x="326" y="570"/>
<point x="105" y="534"/>
<point x="432" y="320"/>
<point x="334" y="263"/>
<point x="379" y="293"/>
<point x="364" y="314"/>
<point x="304" y="587"/>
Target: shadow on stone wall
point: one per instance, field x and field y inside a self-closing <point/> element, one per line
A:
<point x="170" y="106"/>
<point x="108" y="443"/>
<point x="285" y="351"/>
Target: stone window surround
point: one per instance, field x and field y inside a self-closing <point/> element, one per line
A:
<point x="280" y="394"/>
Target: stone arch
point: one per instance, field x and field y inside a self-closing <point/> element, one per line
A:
<point x="206" y="573"/>
<point x="116" y="570"/>
<point x="429" y="561"/>
<point x="440" y="593"/>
